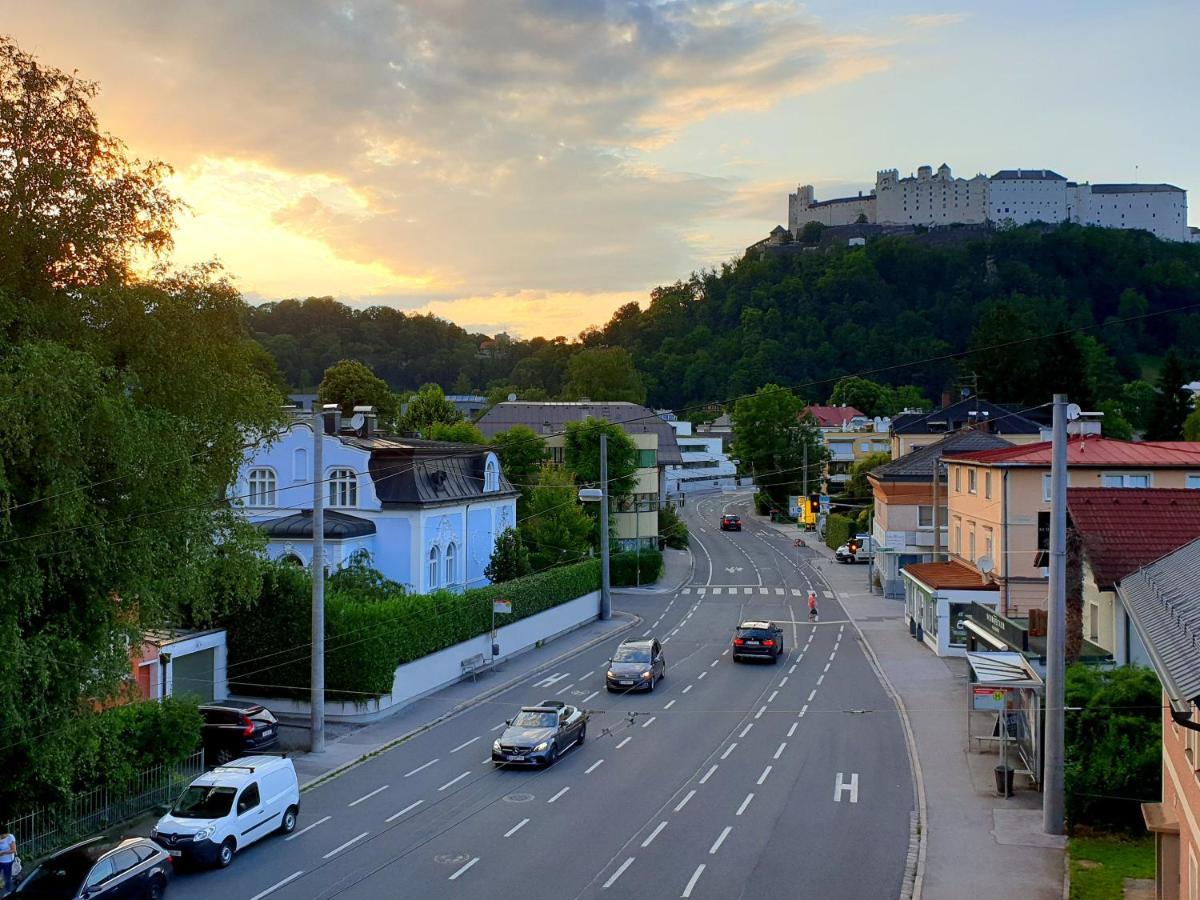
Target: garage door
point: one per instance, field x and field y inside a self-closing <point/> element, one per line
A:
<point x="193" y="674"/>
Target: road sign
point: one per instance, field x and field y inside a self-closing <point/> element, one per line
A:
<point x="502" y="606"/>
<point x="824" y="501"/>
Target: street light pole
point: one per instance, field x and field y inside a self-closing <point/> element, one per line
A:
<point x="605" y="599"/>
<point x="1053" y="800"/>
<point x="317" y="674"/>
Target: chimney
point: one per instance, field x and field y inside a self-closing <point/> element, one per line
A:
<point x="332" y="414"/>
<point x="369" y="423"/>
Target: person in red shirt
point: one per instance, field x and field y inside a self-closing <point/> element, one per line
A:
<point x="812" y="606"/>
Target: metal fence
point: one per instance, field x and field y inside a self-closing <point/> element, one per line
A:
<point x="49" y="828"/>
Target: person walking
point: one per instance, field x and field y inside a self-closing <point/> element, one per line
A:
<point x="8" y="853"/>
<point x="812" y="606"/>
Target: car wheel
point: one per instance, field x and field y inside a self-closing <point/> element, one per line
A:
<point x="288" y="825"/>
<point x="736" y="658"/>
<point x="552" y="756"/>
<point x="157" y="888"/>
<point x="582" y="733"/>
<point x="652" y="682"/>
<point x="225" y="854"/>
<point x="224" y="755"/>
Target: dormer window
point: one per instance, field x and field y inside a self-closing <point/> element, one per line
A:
<point x="491" y="476"/>
<point x="261" y="484"/>
<point x="343" y="487"/>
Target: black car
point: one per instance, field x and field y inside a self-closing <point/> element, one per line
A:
<point x="637" y="665"/>
<point x="539" y="734"/>
<point x="101" y="869"/>
<point x="234" y="728"/>
<point x="731" y="523"/>
<point x="759" y="639"/>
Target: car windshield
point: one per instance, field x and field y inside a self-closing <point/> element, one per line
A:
<point x="529" y="719"/>
<point x="59" y="877"/>
<point x="204" y="802"/>
<point x="754" y="633"/>
<point x="731" y="518"/>
<point x="632" y="655"/>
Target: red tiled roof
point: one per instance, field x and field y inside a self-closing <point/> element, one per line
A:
<point x="1124" y="529"/>
<point x="831" y="416"/>
<point x="1093" y="451"/>
<point x="951" y="575"/>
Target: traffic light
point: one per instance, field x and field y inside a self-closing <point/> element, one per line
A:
<point x="814" y="504"/>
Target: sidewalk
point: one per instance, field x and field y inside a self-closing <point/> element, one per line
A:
<point x="677" y="571"/>
<point x="976" y="843"/>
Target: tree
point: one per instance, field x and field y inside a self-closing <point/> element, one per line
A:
<point x="1136" y="400"/>
<point x="350" y="383"/>
<point x="454" y="433"/>
<point x="907" y="396"/>
<point x="769" y="440"/>
<point x="521" y="451"/>
<point x="869" y="398"/>
<point x="861" y="219"/>
<point x="1114" y="424"/>
<point x="1172" y="403"/>
<point x="426" y="406"/>
<point x="811" y="233"/>
<point x="1191" y="426"/>
<point x="581" y="454"/>
<point x="510" y="558"/>
<point x="556" y="528"/>
<point x="604" y="374"/>
<point x="859" y="488"/>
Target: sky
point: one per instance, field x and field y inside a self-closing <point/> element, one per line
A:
<point x="530" y="165"/>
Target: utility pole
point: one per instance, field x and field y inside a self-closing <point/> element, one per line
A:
<point x="937" y="502"/>
<point x="804" y="490"/>
<point x="1056" y="607"/>
<point x="605" y="599"/>
<point x="317" y="677"/>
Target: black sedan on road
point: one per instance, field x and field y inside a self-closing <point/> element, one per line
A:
<point x="101" y="869"/>
<point x="637" y="665"/>
<point x="539" y="734"/>
<point x="759" y="639"/>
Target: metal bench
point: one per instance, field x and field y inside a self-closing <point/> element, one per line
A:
<point x="472" y="664"/>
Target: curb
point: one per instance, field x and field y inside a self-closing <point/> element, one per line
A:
<point x="1066" y="894"/>
<point x="638" y="592"/>
<point x="472" y="702"/>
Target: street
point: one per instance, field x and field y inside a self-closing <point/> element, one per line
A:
<point x="787" y="779"/>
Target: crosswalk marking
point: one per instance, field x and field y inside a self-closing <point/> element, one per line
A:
<point x="748" y="591"/>
<point x="686" y="591"/>
<point x="795" y="592"/>
<point x="716" y="590"/>
<point x="779" y="592"/>
<point x="828" y="595"/>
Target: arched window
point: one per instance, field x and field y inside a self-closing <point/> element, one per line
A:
<point x="292" y="560"/>
<point x="433" y="567"/>
<point x="262" y="487"/>
<point x="491" y="476"/>
<point x="451" y="562"/>
<point x="343" y="487"/>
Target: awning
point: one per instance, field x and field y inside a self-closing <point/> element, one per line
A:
<point x="985" y="635"/>
<point x="1006" y="668"/>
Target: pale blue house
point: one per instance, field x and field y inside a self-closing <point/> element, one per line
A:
<point x="427" y="513"/>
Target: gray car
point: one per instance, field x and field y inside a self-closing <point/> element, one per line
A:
<point x="638" y="665"/>
<point x="539" y="734"/>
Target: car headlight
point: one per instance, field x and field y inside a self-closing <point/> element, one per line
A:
<point x="496" y="746"/>
<point x="647" y="674"/>
<point x="611" y="674"/>
<point x="204" y="833"/>
<point x="542" y="746"/>
<point x="154" y="832"/>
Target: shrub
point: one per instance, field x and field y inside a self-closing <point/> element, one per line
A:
<point x="838" y="529"/>
<point x="510" y="558"/>
<point x="672" y="528"/>
<point x="623" y="567"/>
<point x="763" y="504"/>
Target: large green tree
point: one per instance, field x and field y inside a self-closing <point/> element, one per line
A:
<point x="770" y="440"/>
<point x="604" y="374"/>
<point x="350" y="383"/>
<point x="454" y="433"/>
<point x="581" y="453"/>
<point x="866" y="396"/>
<point x="427" y="406"/>
<point x="1173" y="403"/>
<point x="521" y="451"/>
<point x="555" y="527"/>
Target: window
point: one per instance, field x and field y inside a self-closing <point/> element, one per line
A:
<point x="958" y="536"/>
<point x="1125" y="481"/>
<point x="958" y="479"/>
<point x="1046" y="487"/>
<point x="299" y="464"/>
<point x="248" y="800"/>
<point x="971" y="489"/>
<point x="987" y="484"/>
<point x="1193" y="481"/>
<point x="451" y="562"/>
<point x="100" y="873"/>
<point x="491" y="476"/>
<point x="262" y="488"/>
<point x="971" y="544"/>
<point x="1093" y="621"/>
<point x="434" y="557"/>
<point x="123" y="861"/>
<point x="647" y="459"/>
<point x="343" y="487"/>
<point x="987" y="541"/>
<point x="924" y="516"/>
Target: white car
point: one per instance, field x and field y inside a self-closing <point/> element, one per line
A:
<point x="230" y="808"/>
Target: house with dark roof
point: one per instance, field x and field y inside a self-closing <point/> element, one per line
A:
<point x="910" y="430"/>
<point x="424" y="513"/>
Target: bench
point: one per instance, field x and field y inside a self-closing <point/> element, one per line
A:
<point x="472" y="664"/>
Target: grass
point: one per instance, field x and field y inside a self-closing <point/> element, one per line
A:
<point x="1106" y="862"/>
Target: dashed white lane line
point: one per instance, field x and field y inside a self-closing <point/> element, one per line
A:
<point x="646" y="633"/>
<point x="465" y="744"/>
<point x="728" y="750"/>
<point x="590" y="696"/>
<point x="792" y="670"/>
<point x="673" y="632"/>
<point x="746" y="730"/>
<point x="563" y="690"/>
<point x="650" y="837"/>
<point x="701" y="675"/>
<point x="792" y="730"/>
<point x="277" y="885"/>
<point x="832" y="655"/>
<point x="783" y="681"/>
<point x="708" y="774"/>
<point x="617" y="874"/>
<point x="774" y="694"/>
<point x="763" y="776"/>
<point x="725" y="652"/>
<point x="687" y="891"/>
<point x="812" y="694"/>
<point x="624" y="742"/>
<point x="803" y="710"/>
<point x="593" y="767"/>
<point x="667" y="638"/>
<point x="686" y="689"/>
<point x="670" y="703"/>
<point x="454" y="781"/>
<point x="683" y="802"/>
<point x="826" y="669"/>
<point x="464" y="868"/>
<point x="713" y="663"/>
<point x="394" y="816"/>
<point x="292" y="837"/>
<point x="420" y="768"/>
<point x="559" y="794"/>
<point x="779" y="752"/>
<point x="745" y="803"/>
<point x="516" y="828"/>
<point x="646" y="724"/>
<point x="761" y="710"/>
<point x="720" y="840"/>
<point x="498" y="727"/>
<point x="378" y="790"/>
<point x="337" y="850"/>
<point x="821" y="678"/>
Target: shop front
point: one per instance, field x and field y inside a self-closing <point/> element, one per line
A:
<point x="937" y="597"/>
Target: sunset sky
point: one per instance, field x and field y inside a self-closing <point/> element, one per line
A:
<point x="530" y="166"/>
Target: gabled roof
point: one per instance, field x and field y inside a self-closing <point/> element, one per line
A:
<point x="552" y="418"/>
<point x="917" y="465"/>
<point x="1163" y="599"/>
<point x="434" y="472"/>
<point x="1000" y="419"/>
<point x="951" y="575"/>
<point x="1095" y="451"/>
<point x="832" y="416"/>
<point x="1123" y="529"/>
<point x="299" y="526"/>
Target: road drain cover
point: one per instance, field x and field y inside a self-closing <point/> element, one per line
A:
<point x="518" y="798"/>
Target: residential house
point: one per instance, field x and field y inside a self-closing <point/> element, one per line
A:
<point x="722" y="427"/>
<point x="1121" y="530"/>
<point x="911" y="429"/>
<point x="1163" y="600"/>
<point x="181" y="661"/>
<point x="937" y="598"/>
<point x="635" y="521"/>
<point x="848" y="436"/>
<point x="998" y="502"/>
<point x="425" y="513"/>
<point x="705" y="465"/>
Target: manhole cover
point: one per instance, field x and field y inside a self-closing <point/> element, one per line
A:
<point x="452" y="859"/>
<point x="518" y="798"/>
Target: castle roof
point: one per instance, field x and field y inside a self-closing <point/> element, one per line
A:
<point x="1027" y="175"/>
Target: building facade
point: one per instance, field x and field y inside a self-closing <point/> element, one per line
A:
<point x="705" y="465"/>
<point x="918" y="428"/>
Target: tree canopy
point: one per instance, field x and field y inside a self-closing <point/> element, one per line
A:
<point x="521" y="451"/>
<point x="427" y="407"/>
<point x="555" y="527"/>
<point x="770" y="441"/>
<point x="581" y="453"/>
<point x="350" y="383"/>
<point x="604" y="374"/>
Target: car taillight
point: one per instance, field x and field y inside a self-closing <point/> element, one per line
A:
<point x="768" y="643"/>
<point x="738" y="641"/>
<point x="249" y="729"/>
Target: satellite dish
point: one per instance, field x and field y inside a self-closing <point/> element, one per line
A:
<point x="1073" y="412"/>
<point x="512" y="397"/>
<point x="357" y="421"/>
<point x="984" y="564"/>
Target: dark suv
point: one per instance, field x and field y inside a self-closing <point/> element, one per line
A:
<point x="761" y="639"/>
<point x="234" y="728"/>
<point x="731" y="523"/>
<point x="637" y="665"/>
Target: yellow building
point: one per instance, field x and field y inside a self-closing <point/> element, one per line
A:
<point x="848" y="436"/>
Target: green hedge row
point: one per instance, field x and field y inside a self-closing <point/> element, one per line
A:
<point x="366" y="639"/>
<point x="623" y="567"/>
<point x="838" y="529"/>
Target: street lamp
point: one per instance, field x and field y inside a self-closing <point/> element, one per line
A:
<point x="600" y="495"/>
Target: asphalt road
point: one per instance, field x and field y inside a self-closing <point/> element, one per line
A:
<point x="729" y="779"/>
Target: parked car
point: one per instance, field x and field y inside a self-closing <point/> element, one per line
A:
<point x="229" y="808"/>
<point x="758" y="639"/>
<point x="234" y="728"/>
<point x="101" y="869"/>
<point x="731" y="523"/>
<point x="639" y="664"/>
<point x="539" y="734"/>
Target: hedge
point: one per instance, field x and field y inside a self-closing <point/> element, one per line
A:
<point x="623" y="567"/>
<point x="366" y="639"/>
<point x="838" y="529"/>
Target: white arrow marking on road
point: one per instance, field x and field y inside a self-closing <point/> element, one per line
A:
<point x="617" y="874"/>
<point x="292" y="837"/>
<point x="373" y="793"/>
<point x="516" y="828"/>
<point x="839" y="785"/>
<point x="654" y="834"/>
<point x="277" y="885"/>
<point x="465" y="744"/>
<point x="408" y="808"/>
<point x="719" y="841"/>
<point x="464" y="868"/>
<point x="687" y="891"/>
<point x="353" y="840"/>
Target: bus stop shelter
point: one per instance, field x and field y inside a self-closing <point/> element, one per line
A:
<point x="1004" y="710"/>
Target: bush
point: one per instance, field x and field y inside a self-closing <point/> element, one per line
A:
<point x="838" y="529"/>
<point x="623" y="567"/>
<point x="672" y="528"/>
<point x="763" y="504"/>
<point x="510" y="558"/>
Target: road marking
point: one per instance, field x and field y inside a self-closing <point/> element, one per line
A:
<point x="465" y="744"/>
<point x="553" y="679"/>
<point x="820" y="678"/>
<point x="664" y="640"/>
<point x="656" y="621"/>
<point x="779" y="752"/>
<point x="624" y="742"/>
<point x="590" y="696"/>
<point x="763" y="776"/>
<point x="277" y="885"/>
<point x="832" y="655"/>
<point x="719" y="841"/>
<point x="683" y="802"/>
<point x="419" y="768"/>
<point x="292" y="837"/>
<point x="803" y="710"/>
<point x="792" y="730"/>
<point x="516" y="828"/>
<point x="701" y="591"/>
<point x="646" y="633"/>
<point x="792" y="670"/>
<point x="454" y="781"/>
<point x="708" y="774"/>
<point x="408" y="808"/>
<point x="783" y="681"/>
<point x="828" y="595"/>
<point x="686" y="591"/>
<point x="812" y="694"/>
<point x="746" y="730"/>
<point x="778" y="592"/>
<point x="774" y="694"/>
<point x="728" y="750"/>
<point x="839" y="785"/>
<point x="464" y="868"/>
<point x="745" y="803"/>
<point x="795" y="592"/>
<point x="761" y="710"/>
<point x="501" y="725"/>
<point x="593" y="767"/>
<point x="372" y="794"/>
<point x="826" y="669"/>
<point x="646" y="724"/>
<point x="725" y="651"/>
<point x="669" y="705"/>
<point x="353" y="840"/>
<point x="559" y="794"/>
<point x="565" y="689"/>
<point x="674" y="631"/>
<point x="763" y="590"/>
<point x="748" y="591"/>
<point x="716" y="591"/>
<point x="617" y="874"/>
<point x="701" y="675"/>
<point x="687" y="891"/>
<point x="713" y="663"/>
<point x="686" y="689"/>
<point x="654" y="834"/>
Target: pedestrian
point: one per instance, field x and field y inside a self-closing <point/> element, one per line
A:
<point x="8" y="853"/>
<point x="812" y="606"/>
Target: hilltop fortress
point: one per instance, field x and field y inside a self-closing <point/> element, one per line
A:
<point x="1011" y="196"/>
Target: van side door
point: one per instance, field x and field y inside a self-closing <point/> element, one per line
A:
<point x="253" y="820"/>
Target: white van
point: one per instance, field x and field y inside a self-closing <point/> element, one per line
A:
<point x="229" y="808"/>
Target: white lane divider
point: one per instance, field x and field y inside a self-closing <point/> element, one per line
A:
<point x="454" y="781"/>
<point x="552" y="679"/>
<point x="839" y="785"/>
<point x="420" y="768"/>
<point x="826" y="669"/>
<point x="686" y="689"/>
<point x="745" y="803"/>
<point x="725" y="652"/>
<point x="498" y="727"/>
<point x="803" y="710"/>
<point x="646" y="724"/>
<point x="617" y="874"/>
<point x="559" y="794"/>
<point x="728" y="750"/>
<point x="669" y="704"/>
<point x="590" y="696"/>
<point x="720" y="840"/>
<point x="277" y="885"/>
<point x="379" y="790"/>
<point x="831" y="656"/>
<point x="624" y="742"/>
<point x="646" y="633"/>
<point x="593" y="767"/>
<point x="792" y="730"/>
<point x="687" y="891"/>
<point x="654" y="834"/>
<point x="761" y="710"/>
<point x="763" y="776"/>
<point x="792" y="670"/>
<point x="701" y="675"/>
<point x="821" y="678"/>
<point x="563" y="690"/>
<point x="774" y="694"/>
<point x="465" y="744"/>
<point x="667" y="638"/>
<point x="812" y="694"/>
<point x="464" y="868"/>
<point x="394" y="816"/>
<point x="783" y="681"/>
<point x="708" y="774"/>
<point x="516" y="828"/>
<point x="713" y="663"/>
<point x="683" y="802"/>
<point x="321" y="821"/>
<point x="337" y="850"/>
<point x="746" y="730"/>
<point x="779" y="752"/>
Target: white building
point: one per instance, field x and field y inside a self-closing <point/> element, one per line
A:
<point x="1021" y="196"/>
<point x="1160" y="209"/>
<point x="929" y="198"/>
<point x="705" y="465"/>
<point x="803" y="207"/>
